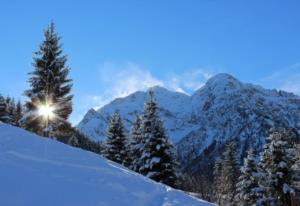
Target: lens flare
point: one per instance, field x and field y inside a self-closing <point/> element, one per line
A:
<point x="46" y="111"/>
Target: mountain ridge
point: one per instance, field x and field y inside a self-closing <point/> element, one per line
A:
<point x="223" y="108"/>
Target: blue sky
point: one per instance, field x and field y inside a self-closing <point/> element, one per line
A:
<point x="117" y="47"/>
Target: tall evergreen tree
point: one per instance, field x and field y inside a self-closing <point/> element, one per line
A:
<point x="50" y="88"/>
<point x="115" y="148"/>
<point x="296" y="170"/>
<point x="127" y="162"/>
<point x="4" y="117"/>
<point x="136" y="144"/>
<point x="158" y="158"/>
<point x="229" y="174"/>
<point x="11" y="110"/>
<point x="248" y="190"/>
<point x="18" y="114"/>
<point x="277" y="160"/>
<point x="218" y="180"/>
<point x="197" y="184"/>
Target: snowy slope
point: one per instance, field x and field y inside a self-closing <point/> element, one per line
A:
<point x="38" y="171"/>
<point x="200" y="124"/>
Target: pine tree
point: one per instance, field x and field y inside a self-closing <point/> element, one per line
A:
<point x="136" y="144"/>
<point x="11" y="110"/>
<point x="4" y="117"/>
<point x="248" y="190"/>
<point x="217" y="180"/>
<point x="229" y="174"/>
<point x="157" y="158"/>
<point x="50" y="88"/>
<point x="198" y="185"/>
<point x="203" y="187"/>
<point x="296" y="171"/>
<point x="115" y="148"/>
<point x="277" y="160"/>
<point x="128" y="159"/>
<point x="18" y="114"/>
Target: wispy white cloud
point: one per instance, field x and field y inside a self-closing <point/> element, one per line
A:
<point x="287" y="79"/>
<point x="122" y="80"/>
<point x="188" y="82"/>
<point x="119" y="80"/>
<point x="97" y="101"/>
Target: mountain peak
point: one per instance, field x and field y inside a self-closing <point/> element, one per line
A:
<point x="222" y="77"/>
<point x="157" y="88"/>
<point x="91" y="113"/>
<point x="223" y="81"/>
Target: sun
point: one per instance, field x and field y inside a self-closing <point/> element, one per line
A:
<point x="46" y="111"/>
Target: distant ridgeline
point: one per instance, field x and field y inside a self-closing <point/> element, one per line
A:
<point x="201" y="124"/>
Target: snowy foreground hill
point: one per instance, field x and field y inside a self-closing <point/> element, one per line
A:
<point x="37" y="171"/>
<point x="200" y="124"/>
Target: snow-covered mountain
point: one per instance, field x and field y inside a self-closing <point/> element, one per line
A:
<point x="174" y="109"/>
<point x="200" y="124"/>
<point x="39" y="171"/>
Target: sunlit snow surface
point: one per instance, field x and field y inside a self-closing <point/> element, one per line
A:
<point x="37" y="171"/>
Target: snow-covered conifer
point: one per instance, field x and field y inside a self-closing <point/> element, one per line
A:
<point x="49" y="88"/>
<point x="11" y="110"/>
<point x="218" y="180"/>
<point x="277" y="160"/>
<point x="229" y="174"/>
<point x="296" y="169"/>
<point x="248" y="190"/>
<point x="157" y="159"/>
<point x="136" y="144"/>
<point x="115" y="148"/>
<point x="18" y="114"/>
<point x="4" y="116"/>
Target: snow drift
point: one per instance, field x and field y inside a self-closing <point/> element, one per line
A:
<point x="38" y="171"/>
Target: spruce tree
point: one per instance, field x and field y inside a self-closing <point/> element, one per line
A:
<point x="229" y="174"/>
<point x="128" y="159"/>
<point x="157" y="158"/>
<point x="218" y="180"/>
<point x="277" y="160"/>
<point x="197" y="184"/>
<point x="4" y="117"/>
<point x="296" y="170"/>
<point x="50" y="88"/>
<point x="115" y="148"/>
<point x="136" y="144"/>
<point x="11" y="110"/>
<point x="18" y="114"/>
<point x="248" y="190"/>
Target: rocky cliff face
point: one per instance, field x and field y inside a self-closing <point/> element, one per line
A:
<point x="200" y="124"/>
